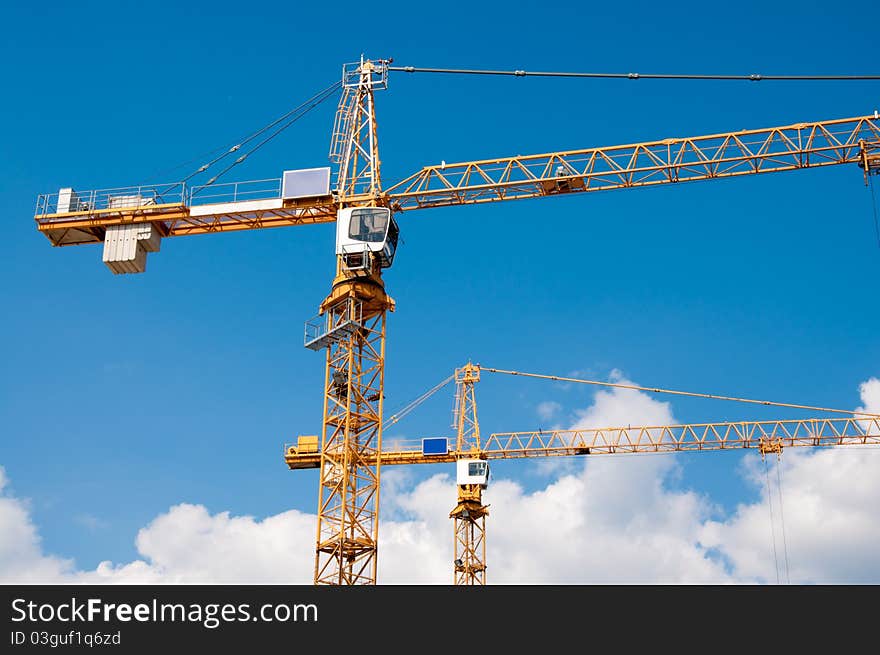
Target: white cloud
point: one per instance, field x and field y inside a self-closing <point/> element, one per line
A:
<point x="91" y="522"/>
<point x="830" y="506"/>
<point x="603" y="519"/>
<point x="616" y="407"/>
<point x="188" y="544"/>
<point x="21" y="557"/>
<point x="831" y="522"/>
<point x="869" y="390"/>
<point x="548" y="409"/>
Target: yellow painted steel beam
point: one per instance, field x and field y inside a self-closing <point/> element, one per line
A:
<point x="714" y="156"/>
<point x="177" y="220"/>
<point x="349" y="458"/>
<point x="686" y="437"/>
<point x="816" y="432"/>
<point x="296" y="460"/>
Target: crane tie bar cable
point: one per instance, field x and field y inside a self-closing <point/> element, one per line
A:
<point x="406" y="409"/>
<point x="754" y="77"/>
<point x="225" y="151"/>
<point x="297" y="113"/>
<point x="680" y="393"/>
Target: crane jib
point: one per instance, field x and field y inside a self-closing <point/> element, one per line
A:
<point x="69" y="217"/>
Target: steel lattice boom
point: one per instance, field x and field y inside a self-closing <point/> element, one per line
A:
<point x="812" y="432"/>
<point x="730" y="154"/>
<point x="178" y="211"/>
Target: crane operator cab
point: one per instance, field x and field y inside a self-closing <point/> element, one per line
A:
<point x="364" y="234"/>
<point x="472" y="471"/>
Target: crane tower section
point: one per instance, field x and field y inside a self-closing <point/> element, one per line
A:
<point x="472" y="476"/>
<point x="351" y="328"/>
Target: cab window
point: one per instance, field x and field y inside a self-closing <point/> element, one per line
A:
<point x="368" y="224"/>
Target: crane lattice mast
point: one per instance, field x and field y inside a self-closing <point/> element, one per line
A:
<point x="132" y="222"/>
<point x="351" y="327"/>
<point x="469" y="513"/>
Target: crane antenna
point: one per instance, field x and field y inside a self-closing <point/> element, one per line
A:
<point x="754" y="77"/>
<point x="636" y="387"/>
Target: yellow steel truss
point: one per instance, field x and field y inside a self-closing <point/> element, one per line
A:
<point x="764" y="436"/>
<point x="469" y="513"/>
<point x="351" y="445"/>
<point x="730" y="154"/>
<point x="348" y="506"/>
<point x="469" y="536"/>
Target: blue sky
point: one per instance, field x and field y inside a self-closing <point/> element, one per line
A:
<point x="125" y="395"/>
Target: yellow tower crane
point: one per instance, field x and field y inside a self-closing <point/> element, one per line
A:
<point x="471" y="454"/>
<point x="132" y="222"/>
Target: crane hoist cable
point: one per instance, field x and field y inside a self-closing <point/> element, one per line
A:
<point x="772" y="530"/>
<point x="406" y="409"/>
<point x="754" y="77"/>
<point x="636" y="387"/>
<point x="782" y="518"/>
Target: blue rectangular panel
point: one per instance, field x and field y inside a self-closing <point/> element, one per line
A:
<point x="434" y="446"/>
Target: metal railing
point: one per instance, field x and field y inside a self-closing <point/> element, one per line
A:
<point x="268" y="189"/>
<point x="68" y="200"/>
<point x="315" y="328"/>
<point x="339" y="321"/>
<point x="71" y="201"/>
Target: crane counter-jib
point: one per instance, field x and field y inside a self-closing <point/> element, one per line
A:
<point x="169" y="219"/>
